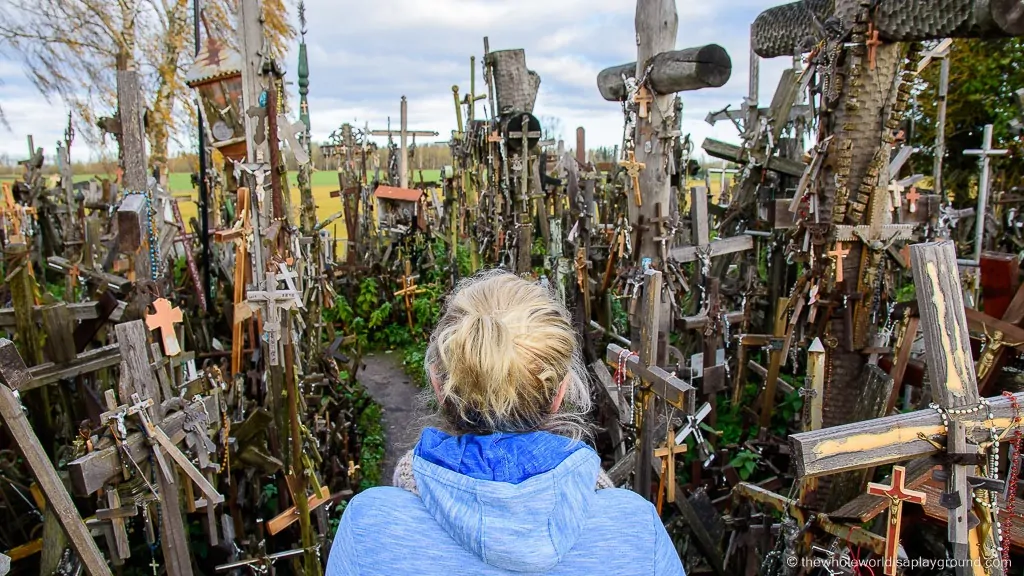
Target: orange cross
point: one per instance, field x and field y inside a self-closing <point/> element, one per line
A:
<point x="873" y="44"/>
<point x="839" y="253"/>
<point x="165" y="318"/>
<point x="912" y="198"/>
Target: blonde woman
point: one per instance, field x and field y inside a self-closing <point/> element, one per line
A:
<point x="504" y="484"/>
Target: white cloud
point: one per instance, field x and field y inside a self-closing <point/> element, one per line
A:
<point x="365" y="55"/>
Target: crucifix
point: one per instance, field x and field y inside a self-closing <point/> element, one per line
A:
<point x="704" y="249"/>
<point x="633" y="168"/>
<point x="403" y="134"/>
<point x="272" y="302"/>
<point x="897" y="493"/>
<point x="1003" y="337"/>
<point x="164" y="318"/>
<point x="987" y="152"/>
<point x="643" y="98"/>
<point x="524" y="222"/>
<point x="912" y="198"/>
<point x="959" y="418"/>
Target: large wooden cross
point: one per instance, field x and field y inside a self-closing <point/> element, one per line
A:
<point x="959" y="417"/>
<point x="704" y="249"/>
<point x="403" y="134"/>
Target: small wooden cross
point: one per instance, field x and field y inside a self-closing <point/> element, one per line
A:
<point x="669" y="451"/>
<point x="494" y="137"/>
<point x="633" y="168"/>
<point x="873" y="43"/>
<point x="897" y="493"/>
<point x="165" y="317"/>
<point x="912" y="198"/>
<point x="643" y="98"/>
<point x="839" y="253"/>
<point x="409" y="289"/>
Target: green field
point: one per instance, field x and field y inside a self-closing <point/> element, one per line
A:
<point x="324" y="183"/>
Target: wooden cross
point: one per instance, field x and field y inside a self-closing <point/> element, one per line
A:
<point x="409" y="289"/>
<point x="668" y="454"/>
<point x="403" y="134"/>
<point x="644" y="98"/>
<point x="839" y="253"/>
<point x="959" y="416"/>
<point x="656" y="381"/>
<point x="271" y="303"/>
<point x="873" y="43"/>
<point x="12" y="372"/>
<point x="897" y="493"/>
<point x="164" y="318"/>
<point x="912" y="198"/>
<point x="633" y="168"/>
<point x="703" y="247"/>
<point x="239" y="234"/>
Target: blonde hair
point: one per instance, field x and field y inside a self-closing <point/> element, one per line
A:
<point x="500" y="353"/>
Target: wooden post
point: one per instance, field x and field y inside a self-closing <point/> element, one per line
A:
<point x="774" y="366"/>
<point x="13" y="370"/>
<point x="648" y="353"/>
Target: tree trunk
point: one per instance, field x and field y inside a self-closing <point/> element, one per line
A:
<point x="515" y="86"/>
<point x="864" y="143"/>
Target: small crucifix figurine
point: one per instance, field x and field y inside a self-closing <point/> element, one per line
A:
<point x="165" y="317"/>
<point x="668" y="452"/>
<point x="897" y="493"/>
<point x="839" y="253"/>
<point x="643" y="98"/>
<point x="633" y="168"/>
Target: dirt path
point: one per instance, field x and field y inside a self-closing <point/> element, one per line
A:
<point x="386" y="381"/>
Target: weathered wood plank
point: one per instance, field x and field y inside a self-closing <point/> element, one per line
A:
<point x="886" y="440"/>
<point x="733" y="153"/>
<point x="717" y="248"/>
<point x="99" y="278"/>
<point x="82" y="311"/>
<point x="57" y="497"/>
<point x="665" y="385"/>
<point x="85" y="363"/>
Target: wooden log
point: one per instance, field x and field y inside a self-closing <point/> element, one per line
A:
<point x="515" y="86"/>
<point x="133" y="136"/>
<point x="780" y="30"/>
<point x="675" y="71"/>
<point x="57" y="497"/>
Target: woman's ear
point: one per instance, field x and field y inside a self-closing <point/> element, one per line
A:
<point x="560" y="395"/>
<point x="436" y="385"/>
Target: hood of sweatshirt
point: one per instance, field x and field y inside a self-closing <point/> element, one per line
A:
<point x="518" y="501"/>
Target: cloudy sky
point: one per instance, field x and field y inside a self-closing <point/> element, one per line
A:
<point x="365" y="55"/>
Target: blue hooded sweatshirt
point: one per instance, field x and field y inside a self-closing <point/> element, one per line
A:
<point x="502" y="504"/>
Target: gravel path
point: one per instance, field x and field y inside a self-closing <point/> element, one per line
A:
<point x="385" y="379"/>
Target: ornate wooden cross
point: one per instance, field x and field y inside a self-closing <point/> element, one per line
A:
<point x="897" y="493"/>
<point x="839" y="253"/>
<point x="164" y="318"/>
<point x="633" y="168"/>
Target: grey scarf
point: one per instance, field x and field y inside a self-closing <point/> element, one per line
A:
<point x="405" y="480"/>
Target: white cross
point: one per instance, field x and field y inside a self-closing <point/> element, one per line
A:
<point x="986" y="153"/>
<point x="271" y="302"/>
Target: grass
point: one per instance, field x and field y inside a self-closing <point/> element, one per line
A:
<point x="180" y="183"/>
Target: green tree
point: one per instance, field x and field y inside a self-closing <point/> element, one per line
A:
<point x="983" y="78"/>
